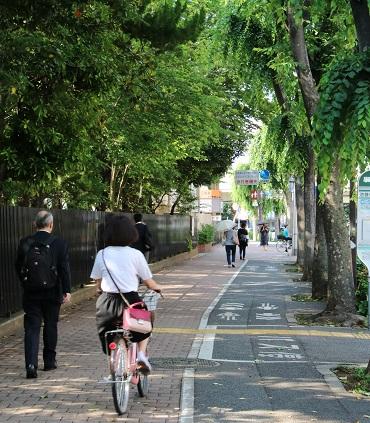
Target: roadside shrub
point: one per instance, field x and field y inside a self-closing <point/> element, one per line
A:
<point x="206" y="234"/>
<point x="362" y="289"/>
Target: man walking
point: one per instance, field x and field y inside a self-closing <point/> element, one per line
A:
<point x="144" y="242"/>
<point x="43" y="267"/>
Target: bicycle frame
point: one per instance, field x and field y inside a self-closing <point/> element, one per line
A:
<point x="131" y="348"/>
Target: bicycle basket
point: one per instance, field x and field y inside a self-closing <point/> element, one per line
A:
<point x="151" y="298"/>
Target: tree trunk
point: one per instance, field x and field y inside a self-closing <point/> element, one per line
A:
<point x="360" y="12"/>
<point x="174" y="205"/>
<point x="309" y="216"/>
<point x="300" y="221"/>
<point x="305" y="78"/>
<point x="353" y="226"/>
<point x="341" y="297"/>
<point x="320" y="261"/>
<point x="310" y="99"/>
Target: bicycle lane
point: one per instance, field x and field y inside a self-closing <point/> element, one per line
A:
<point x="266" y="375"/>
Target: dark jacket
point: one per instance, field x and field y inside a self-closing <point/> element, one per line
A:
<point x="144" y="242"/>
<point x="242" y="231"/>
<point x="59" y="249"/>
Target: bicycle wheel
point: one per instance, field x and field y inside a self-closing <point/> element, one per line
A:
<point x="143" y="385"/>
<point x="120" y="384"/>
<point x="281" y="246"/>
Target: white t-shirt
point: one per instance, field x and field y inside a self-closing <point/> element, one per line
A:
<point x="125" y="265"/>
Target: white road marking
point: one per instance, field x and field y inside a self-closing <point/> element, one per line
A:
<point x="206" y="348"/>
<point x="202" y="347"/>
<point x="267" y="306"/>
<point x="228" y="315"/>
<point x="187" y="397"/>
<point x="268" y="316"/>
<point x="231" y="306"/>
<point x="279" y="347"/>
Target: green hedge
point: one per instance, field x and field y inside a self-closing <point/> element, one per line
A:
<point x="362" y="289"/>
<point x="206" y="234"/>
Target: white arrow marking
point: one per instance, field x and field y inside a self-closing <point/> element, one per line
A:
<point x="267" y="306"/>
<point x="228" y="315"/>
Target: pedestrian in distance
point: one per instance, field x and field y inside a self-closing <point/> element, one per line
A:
<point x="116" y="271"/>
<point x="243" y="240"/>
<point x="230" y="241"/>
<point x="264" y="236"/>
<point x="42" y="265"/>
<point x="145" y="240"/>
<point x="286" y="236"/>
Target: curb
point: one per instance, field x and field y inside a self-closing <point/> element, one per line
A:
<point x="332" y="380"/>
<point x="87" y="291"/>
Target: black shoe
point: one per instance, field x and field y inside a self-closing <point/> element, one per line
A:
<point x="31" y="371"/>
<point x="233" y="265"/>
<point x="51" y="366"/>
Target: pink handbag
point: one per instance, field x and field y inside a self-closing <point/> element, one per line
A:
<point x="137" y="319"/>
<point x="134" y="319"/>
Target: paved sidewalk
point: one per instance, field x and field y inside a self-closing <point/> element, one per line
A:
<point x="71" y="393"/>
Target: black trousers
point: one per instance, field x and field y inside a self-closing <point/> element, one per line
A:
<point x="36" y="312"/>
<point x="242" y="247"/>
<point x="109" y="313"/>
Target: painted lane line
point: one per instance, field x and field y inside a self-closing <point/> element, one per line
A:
<point x="187" y="397"/>
<point x="318" y="363"/>
<point x="206" y="349"/>
<point x="212" y="306"/>
<point x="203" y="344"/>
<point x="261" y="331"/>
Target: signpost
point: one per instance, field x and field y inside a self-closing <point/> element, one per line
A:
<point x="363" y="227"/>
<point x="247" y="177"/>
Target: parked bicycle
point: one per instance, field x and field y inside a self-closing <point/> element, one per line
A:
<point x="122" y="361"/>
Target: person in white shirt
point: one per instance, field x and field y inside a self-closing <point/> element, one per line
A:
<point x="123" y="264"/>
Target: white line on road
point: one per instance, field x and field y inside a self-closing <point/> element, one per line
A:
<point x="187" y="397"/>
<point x="201" y="345"/>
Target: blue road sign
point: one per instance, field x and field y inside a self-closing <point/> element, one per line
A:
<point x="264" y="175"/>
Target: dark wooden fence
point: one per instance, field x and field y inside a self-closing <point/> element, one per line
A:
<point x="81" y="230"/>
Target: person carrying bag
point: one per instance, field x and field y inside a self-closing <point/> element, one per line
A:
<point x="136" y="317"/>
<point x="116" y="271"/>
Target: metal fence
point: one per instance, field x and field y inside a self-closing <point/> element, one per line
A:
<point x="81" y="230"/>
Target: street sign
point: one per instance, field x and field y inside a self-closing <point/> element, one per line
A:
<point x="247" y="177"/>
<point x="251" y="177"/>
<point x="265" y="175"/>
<point x="363" y="225"/>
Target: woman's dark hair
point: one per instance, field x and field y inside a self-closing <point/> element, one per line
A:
<point x="138" y="217"/>
<point x="243" y="225"/>
<point x="119" y="231"/>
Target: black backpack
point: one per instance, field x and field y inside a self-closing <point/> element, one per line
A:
<point x="39" y="272"/>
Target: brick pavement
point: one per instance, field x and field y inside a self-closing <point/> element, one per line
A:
<point x="71" y="393"/>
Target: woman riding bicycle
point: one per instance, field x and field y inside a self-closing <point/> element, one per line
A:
<point x="125" y="265"/>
